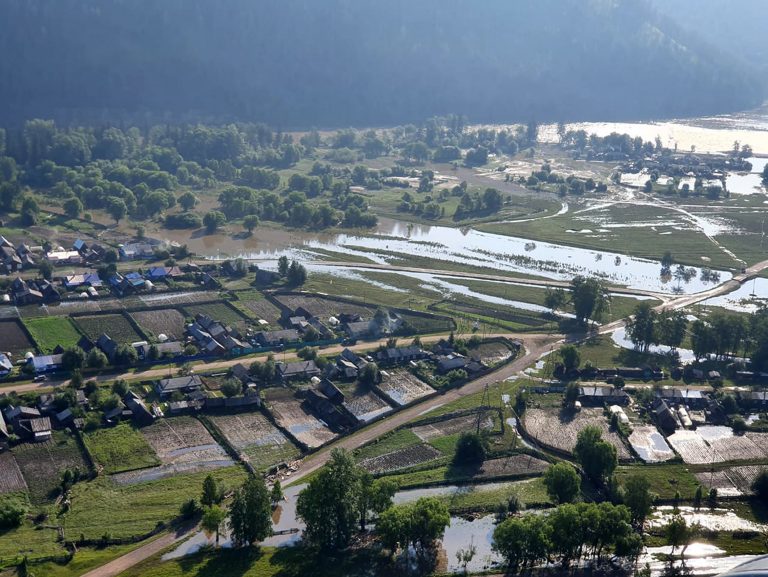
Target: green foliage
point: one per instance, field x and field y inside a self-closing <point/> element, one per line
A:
<point x="213" y="220"/>
<point x="13" y="508"/>
<point x="760" y="485"/>
<point x="562" y="482"/>
<point x="212" y="521"/>
<point x="212" y="492"/>
<point x="231" y="388"/>
<point x="570" y="357"/>
<point x="73" y="358"/>
<point x="329" y="505"/>
<point x="589" y="298"/>
<point x="250" y="513"/>
<point x="120" y="448"/>
<point x="596" y="456"/>
<point x="471" y="449"/>
<point x="419" y="524"/>
<point x="638" y="498"/>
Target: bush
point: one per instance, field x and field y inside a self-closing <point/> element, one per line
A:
<point x="471" y="449"/>
<point x="183" y="220"/>
<point x="12" y="511"/>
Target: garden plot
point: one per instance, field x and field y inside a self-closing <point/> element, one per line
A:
<point x="492" y="353"/>
<point x="742" y="477"/>
<point x="183" y="445"/>
<point x="257" y="307"/>
<point x="454" y="425"/>
<point x="43" y="463"/>
<point x="718" y="445"/>
<point x="256" y="439"/>
<point x="324" y="308"/>
<point x="551" y="430"/>
<point x="692" y="448"/>
<point x="401" y="459"/>
<point x="720" y="481"/>
<point x="304" y="427"/>
<point x="178" y="298"/>
<point x="116" y="326"/>
<point x="364" y="403"/>
<point x="13" y="339"/>
<point x="168" y="322"/>
<point x="650" y="445"/>
<point x="402" y="387"/>
<point x="220" y="312"/>
<point x="514" y="466"/>
<point x="11" y="479"/>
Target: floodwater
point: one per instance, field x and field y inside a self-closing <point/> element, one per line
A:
<point x="748" y="183"/>
<point x="717" y="520"/>
<point x="747" y="298"/>
<point x="708" y="134"/>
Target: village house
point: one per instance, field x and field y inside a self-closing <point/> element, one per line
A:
<point x="602" y="395"/>
<point x="107" y="345"/>
<point x="395" y="356"/>
<point x="665" y="418"/>
<point x="186" y="384"/>
<point x="138" y="408"/>
<point x="275" y="338"/>
<point x="46" y="363"/>
<point x="136" y="250"/>
<point x="692" y="398"/>
<point x="301" y="370"/>
<point x="75" y="281"/>
<point x="60" y="257"/>
<point x="168" y="349"/>
<point x="451" y="362"/>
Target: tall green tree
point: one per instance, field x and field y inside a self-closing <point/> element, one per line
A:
<point x="213" y="519"/>
<point x="250" y="514"/>
<point x="212" y="493"/>
<point x="597" y="457"/>
<point x="562" y="483"/>
<point x="330" y="504"/>
<point x="642" y="327"/>
<point x="638" y="498"/>
<point x="589" y="298"/>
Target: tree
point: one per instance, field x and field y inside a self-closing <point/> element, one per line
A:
<point x="125" y="355"/>
<point x="760" y="485"/>
<point x="276" y="495"/>
<point x="282" y="266"/>
<point x="250" y="222"/>
<point x="562" y="482"/>
<point x="570" y="356"/>
<point x="667" y="261"/>
<point x="672" y="326"/>
<point x="329" y="505"/>
<point x="375" y="496"/>
<point x="212" y="520"/>
<point x="471" y="449"/>
<point x="116" y="208"/>
<point x="120" y="387"/>
<point x="46" y="269"/>
<point x="297" y="274"/>
<point x="641" y="327"/>
<point x="212" y="493"/>
<point x="250" y="514"/>
<point x="555" y="299"/>
<point x="679" y="534"/>
<point x="13" y="509"/>
<point x="73" y="207"/>
<point x="231" y="388"/>
<point x="589" y="298"/>
<point x="572" y="392"/>
<point x="96" y="359"/>
<point x="213" y="220"/>
<point x="369" y="374"/>
<point x="596" y="456"/>
<point x="187" y="201"/>
<point x="73" y="358"/>
<point x="638" y="498"/>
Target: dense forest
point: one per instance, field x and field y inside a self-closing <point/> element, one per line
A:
<point x="302" y="63"/>
<point x="738" y="31"/>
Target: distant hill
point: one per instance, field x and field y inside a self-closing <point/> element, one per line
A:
<point x="736" y="27"/>
<point x="300" y="63"/>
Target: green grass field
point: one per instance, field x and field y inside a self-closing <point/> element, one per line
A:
<point x="102" y="507"/>
<point x="665" y="480"/>
<point x="50" y="332"/>
<point x="121" y="448"/>
<point x="265" y="562"/>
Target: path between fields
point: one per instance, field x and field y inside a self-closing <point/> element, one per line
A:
<point x="125" y="562"/>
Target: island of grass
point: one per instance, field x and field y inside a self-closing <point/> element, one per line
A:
<point x="121" y="448"/>
<point x="51" y="332"/>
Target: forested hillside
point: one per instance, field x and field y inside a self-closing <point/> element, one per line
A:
<point x="738" y="30"/>
<point x="297" y="63"/>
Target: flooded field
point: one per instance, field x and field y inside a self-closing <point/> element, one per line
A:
<point x="650" y="445"/>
